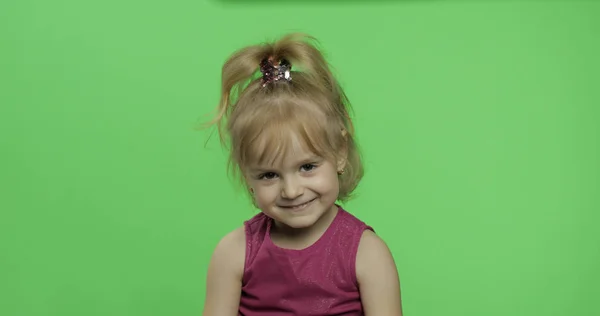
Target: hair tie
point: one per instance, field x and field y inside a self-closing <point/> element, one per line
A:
<point x="275" y="72"/>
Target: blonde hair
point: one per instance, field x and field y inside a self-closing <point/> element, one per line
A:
<point x="257" y="119"/>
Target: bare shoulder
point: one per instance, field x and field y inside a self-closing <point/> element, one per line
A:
<point x="224" y="277"/>
<point x="230" y="251"/>
<point x="377" y="277"/>
<point x="235" y="238"/>
<point x="372" y="248"/>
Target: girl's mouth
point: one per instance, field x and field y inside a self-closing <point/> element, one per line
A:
<point x="299" y="206"/>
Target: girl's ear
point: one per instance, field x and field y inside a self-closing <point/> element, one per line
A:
<point x="343" y="154"/>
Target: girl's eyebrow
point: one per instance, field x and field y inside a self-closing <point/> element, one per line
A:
<point x="261" y="170"/>
<point x="300" y="162"/>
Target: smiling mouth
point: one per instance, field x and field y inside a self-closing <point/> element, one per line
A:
<point x="299" y="206"/>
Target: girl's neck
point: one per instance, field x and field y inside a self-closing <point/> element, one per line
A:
<point x="294" y="238"/>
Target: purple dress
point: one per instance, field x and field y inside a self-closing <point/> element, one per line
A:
<point x="318" y="280"/>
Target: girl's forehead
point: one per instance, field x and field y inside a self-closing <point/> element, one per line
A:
<point x="280" y="152"/>
<point x="284" y="141"/>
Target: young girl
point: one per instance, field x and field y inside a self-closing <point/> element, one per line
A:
<point x="292" y="144"/>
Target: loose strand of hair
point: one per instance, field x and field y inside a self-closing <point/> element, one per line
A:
<point x="237" y="72"/>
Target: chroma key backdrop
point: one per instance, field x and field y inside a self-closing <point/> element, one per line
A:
<point x="478" y="122"/>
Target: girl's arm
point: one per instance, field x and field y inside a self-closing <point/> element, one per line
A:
<point x="224" y="278"/>
<point x="377" y="277"/>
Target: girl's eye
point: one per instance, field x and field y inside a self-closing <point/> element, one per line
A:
<point x="308" y="167"/>
<point x="268" y="176"/>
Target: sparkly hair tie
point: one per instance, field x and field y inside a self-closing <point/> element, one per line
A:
<point x="272" y="73"/>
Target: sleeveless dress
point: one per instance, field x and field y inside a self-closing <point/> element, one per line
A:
<point x="318" y="280"/>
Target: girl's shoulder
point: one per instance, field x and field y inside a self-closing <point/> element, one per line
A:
<point x="224" y="277"/>
<point x="231" y="249"/>
<point x="377" y="276"/>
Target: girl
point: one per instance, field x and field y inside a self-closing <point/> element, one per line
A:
<point x="291" y="142"/>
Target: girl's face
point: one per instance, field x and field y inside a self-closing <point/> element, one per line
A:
<point x="298" y="190"/>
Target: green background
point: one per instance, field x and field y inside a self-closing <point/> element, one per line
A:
<point x="479" y="124"/>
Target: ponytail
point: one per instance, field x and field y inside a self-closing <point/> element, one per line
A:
<point x="236" y="73"/>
